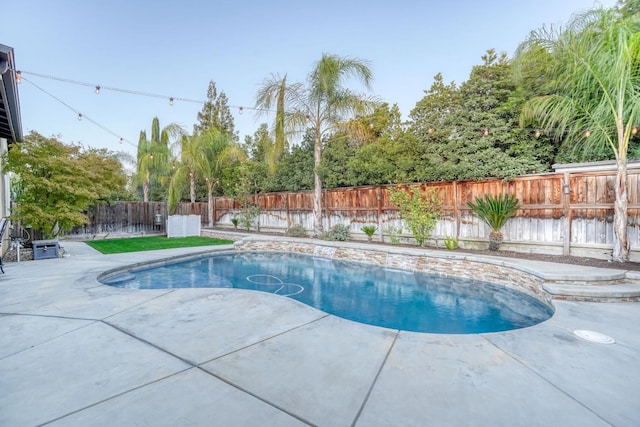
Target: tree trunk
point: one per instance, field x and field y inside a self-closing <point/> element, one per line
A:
<point x="317" y="189"/>
<point x="210" y="202"/>
<point x="495" y="238"/>
<point x="620" y="251"/>
<point x="192" y="187"/>
<point x="146" y="188"/>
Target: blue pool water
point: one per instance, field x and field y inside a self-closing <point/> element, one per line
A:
<point x="409" y="301"/>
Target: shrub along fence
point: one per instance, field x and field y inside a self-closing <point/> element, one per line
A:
<point x="566" y="212"/>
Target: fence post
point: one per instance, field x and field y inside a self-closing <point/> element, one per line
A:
<point x="286" y="206"/>
<point x="379" y="213"/>
<point x="456" y="211"/>
<point x="566" y="214"/>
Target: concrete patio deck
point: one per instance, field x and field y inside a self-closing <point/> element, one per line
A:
<point x="74" y="352"/>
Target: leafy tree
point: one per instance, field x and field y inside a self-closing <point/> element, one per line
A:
<point x="295" y="169"/>
<point x="215" y="113"/>
<point x="420" y="211"/>
<point x="324" y="104"/>
<point x="486" y="131"/>
<point x="595" y="101"/>
<point x="472" y="131"/>
<point x="257" y="168"/>
<point x="334" y="167"/>
<point x="58" y="182"/>
<point x="388" y="154"/>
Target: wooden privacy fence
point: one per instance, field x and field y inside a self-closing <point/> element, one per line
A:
<point x="568" y="211"/>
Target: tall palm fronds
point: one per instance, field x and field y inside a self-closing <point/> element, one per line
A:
<point x="212" y="152"/>
<point x="323" y="104"/>
<point x="594" y="98"/>
<point x="275" y="90"/>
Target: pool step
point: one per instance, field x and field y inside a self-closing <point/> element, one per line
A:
<point x="617" y="290"/>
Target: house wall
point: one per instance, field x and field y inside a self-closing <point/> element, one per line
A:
<point x="4" y="195"/>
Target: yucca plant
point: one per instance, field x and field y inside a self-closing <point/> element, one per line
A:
<point x="369" y="230"/>
<point x="495" y="211"/>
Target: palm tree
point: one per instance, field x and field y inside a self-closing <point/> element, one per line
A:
<point x="213" y="152"/>
<point x="275" y="90"/>
<point x="594" y="100"/>
<point x="154" y="156"/>
<point x="495" y="211"/>
<point x="324" y="104"/>
<point x="184" y="171"/>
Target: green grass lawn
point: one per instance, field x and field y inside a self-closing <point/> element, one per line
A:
<point x="136" y="244"/>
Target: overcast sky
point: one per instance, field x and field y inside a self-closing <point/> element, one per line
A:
<point x="174" y="48"/>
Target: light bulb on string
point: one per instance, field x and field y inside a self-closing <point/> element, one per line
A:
<point x="240" y="110"/>
<point x="121" y="141"/>
<point x="430" y="130"/>
<point x="79" y="116"/>
<point x="485" y="132"/>
<point x="587" y="134"/>
<point x="18" y="76"/>
<point x="308" y="118"/>
<point x="634" y="131"/>
<point x="537" y="134"/>
<point x="98" y="90"/>
<point x="170" y="101"/>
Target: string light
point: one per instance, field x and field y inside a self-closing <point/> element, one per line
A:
<point x="634" y="131"/>
<point x="98" y="88"/>
<point x="134" y="92"/>
<point x="80" y="115"/>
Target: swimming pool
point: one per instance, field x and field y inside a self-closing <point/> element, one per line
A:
<point x="396" y="299"/>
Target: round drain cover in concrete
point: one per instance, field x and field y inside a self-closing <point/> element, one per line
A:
<point x="596" y="337"/>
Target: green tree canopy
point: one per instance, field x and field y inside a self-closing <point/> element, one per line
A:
<point x="215" y="113"/>
<point x="58" y="182"/>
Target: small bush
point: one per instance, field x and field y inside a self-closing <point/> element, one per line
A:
<point x="235" y="222"/>
<point x="338" y="232"/>
<point x="248" y="216"/>
<point x="296" y="231"/>
<point x="451" y="243"/>
<point x="395" y="233"/>
<point x="369" y="230"/>
<point x="420" y="211"/>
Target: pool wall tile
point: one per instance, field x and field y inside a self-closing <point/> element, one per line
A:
<point x="411" y="260"/>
